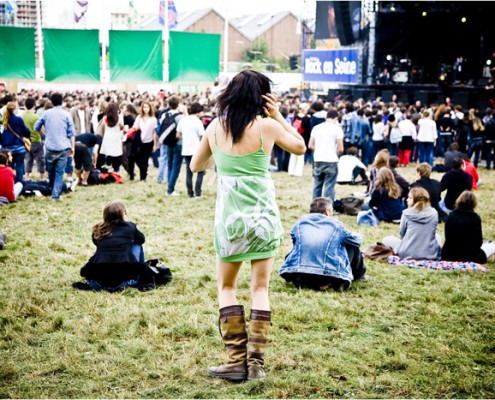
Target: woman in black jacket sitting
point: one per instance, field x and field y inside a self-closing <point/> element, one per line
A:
<point x="119" y="259"/>
<point x="463" y="233"/>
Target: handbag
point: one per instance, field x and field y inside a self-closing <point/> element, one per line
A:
<point x="350" y="205"/>
<point x="27" y="142"/>
<point x="378" y="250"/>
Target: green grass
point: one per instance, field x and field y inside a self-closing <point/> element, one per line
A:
<point x="405" y="334"/>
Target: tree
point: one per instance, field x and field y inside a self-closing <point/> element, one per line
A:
<point x="257" y="52"/>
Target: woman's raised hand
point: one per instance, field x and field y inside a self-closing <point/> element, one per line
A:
<point x="270" y="109"/>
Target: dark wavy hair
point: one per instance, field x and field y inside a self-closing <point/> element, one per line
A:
<point x="113" y="213"/>
<point x="241" y="101"/>
<point x="112" y="114"/>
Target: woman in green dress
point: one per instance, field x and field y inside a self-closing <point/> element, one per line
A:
<point x="247" y="219"/>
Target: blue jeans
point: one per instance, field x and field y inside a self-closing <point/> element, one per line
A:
<point x="475" y="147"/>
<point x="163" y="164"/>
<point x="174" y="164"/>
<point x="367" y="151"/>
<point x="443" y="144"/>
<point x="138" y="252"/>
<point x="426" y="152"/>
<point x="324" y="175"/>
<point x="196" y="191"/>
<point x="56" y="162"/>
<point x="18" y="164"/>
<point x="490" y="151"/>
<point x="69" y="167"/>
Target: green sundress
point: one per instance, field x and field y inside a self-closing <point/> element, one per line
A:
<point x="247" y="218"/>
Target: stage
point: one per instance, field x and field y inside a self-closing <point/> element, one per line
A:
<point x="468" y="96"/>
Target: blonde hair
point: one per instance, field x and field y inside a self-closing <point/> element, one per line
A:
<point x="113" y="213"/>
<point x="466" y="199"/>
<point x="9" y="110"/>
<point x="420" y="198"/>
<point x="424" y="169"/>
<point x="381" y="159"/>
<point x="386" y="180"/>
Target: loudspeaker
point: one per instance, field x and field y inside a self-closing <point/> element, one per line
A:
<point x="343" y="22"/>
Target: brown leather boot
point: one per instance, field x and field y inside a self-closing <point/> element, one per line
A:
<point x="259" y="326"/>
<point x="232" y="326"/>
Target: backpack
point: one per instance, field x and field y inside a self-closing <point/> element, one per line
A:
<point x="167" y="133"/>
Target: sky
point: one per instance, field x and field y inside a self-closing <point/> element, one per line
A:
<point x="99" y="10"/>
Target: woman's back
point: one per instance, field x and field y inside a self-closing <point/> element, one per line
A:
<point x="463" y="237"/>
<point x="418" y="233"/>
<point x="247" y="157"/>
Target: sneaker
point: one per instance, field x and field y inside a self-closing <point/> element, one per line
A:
<point x="173" y="194"/>
<point x="38" y="193"/>
<point x="364" y="278"/>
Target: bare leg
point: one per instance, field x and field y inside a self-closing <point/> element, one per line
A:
<point x="260" y="281"/>
<point x="85" y="176"/>
<point x="227" y="282"/>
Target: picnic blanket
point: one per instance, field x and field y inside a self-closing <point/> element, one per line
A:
<point x="438" y="265"/>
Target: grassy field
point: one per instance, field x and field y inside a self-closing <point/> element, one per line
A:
<point x="405" y="334"/>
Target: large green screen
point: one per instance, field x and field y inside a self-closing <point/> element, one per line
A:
<point x="71" y="54"/>
<point x="17" y="53"/>
<point x="136" y="56"/>
<point x="194" y="57"/>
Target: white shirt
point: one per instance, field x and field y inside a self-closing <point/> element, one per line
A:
<point x="347" y="164"/>
<point x="407" y="128"/>
<point x="378" y="131"/>
<point x="191" y="129"/>
<point x="325" y="137"/>
<point x="147" y="128"/>
<point x="427" y="130"/>
<point x="82" y="120"/>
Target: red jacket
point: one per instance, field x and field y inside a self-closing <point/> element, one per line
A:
<point x="7" y="178"/>
<point x="471" y="170"/>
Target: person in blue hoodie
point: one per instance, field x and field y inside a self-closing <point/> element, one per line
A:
<point x="325" y="253"/>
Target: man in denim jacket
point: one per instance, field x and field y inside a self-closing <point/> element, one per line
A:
<point x="325" y="253"/>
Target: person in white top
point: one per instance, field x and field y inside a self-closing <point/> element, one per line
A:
<point x="110" y="129"/>
<point x="350" y="167"/>
<point x="427" y="137"/>
<point x="408" y="131"/>
<point x="378" y="137"/>
<point x="327" y="142"/>
<point x="147" y="123"/>
<point x="190" y="129"/>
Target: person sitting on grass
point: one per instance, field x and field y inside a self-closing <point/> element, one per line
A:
<point x="385" y="203"/>
<point x="455" y="182"/>
<point x="380" y="161"/>
<point x="119" y="259"/>
<point x="470" y="169"/>
<point x="418" y="227"/>
<point x="393" y="163"/>
<point x="350" y="167"/>
<point x="432" y="186"/>
<point x="464" y="235"/>
<point x="9" y="191"/>
<point x="325" y="253"/>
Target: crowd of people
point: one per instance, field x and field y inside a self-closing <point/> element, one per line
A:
<point x="246" y="132"/>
